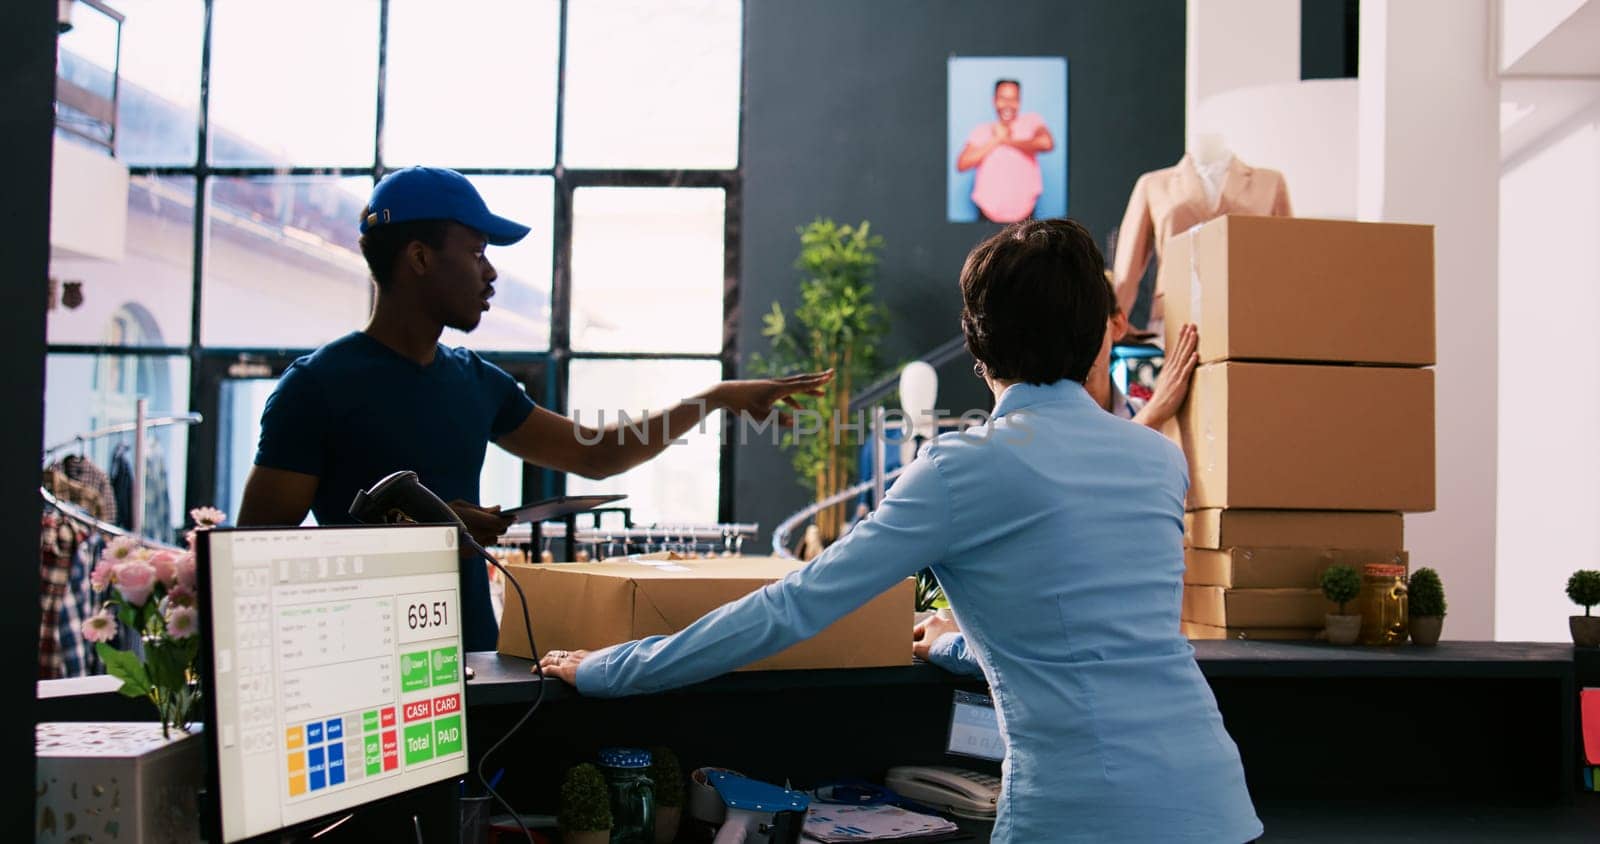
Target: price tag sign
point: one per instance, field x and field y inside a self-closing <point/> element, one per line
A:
<point x="429" y="615"/>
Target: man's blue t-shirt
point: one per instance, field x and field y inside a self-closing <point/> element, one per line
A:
<point x="355" y="411"/>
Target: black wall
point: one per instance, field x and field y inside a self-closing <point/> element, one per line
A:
<point x="844" y="117"/>
<point x="27" y="69"/>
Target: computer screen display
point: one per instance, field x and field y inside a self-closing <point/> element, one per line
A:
<point x="333" y="673"/>
<point x="974" y="729"/>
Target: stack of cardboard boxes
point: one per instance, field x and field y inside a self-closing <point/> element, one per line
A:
<point x="1309" y="426"/>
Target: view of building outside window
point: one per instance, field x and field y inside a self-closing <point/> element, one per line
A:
<point x="292" y="146"/>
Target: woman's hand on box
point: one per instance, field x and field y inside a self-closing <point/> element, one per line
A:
<point x="563" y="665"/>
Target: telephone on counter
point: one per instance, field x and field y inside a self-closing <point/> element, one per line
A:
<point x="966" y="794"/>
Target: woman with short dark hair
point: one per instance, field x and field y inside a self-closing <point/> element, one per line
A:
<point x="1056" y="530"/>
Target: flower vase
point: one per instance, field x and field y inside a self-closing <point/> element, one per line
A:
<point x="116" y="781"/>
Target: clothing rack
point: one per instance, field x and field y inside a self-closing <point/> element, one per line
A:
<point x="84" y="518"/>
<point x="141" y="423"/>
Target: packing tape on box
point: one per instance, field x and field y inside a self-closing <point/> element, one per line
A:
<point x="705" y="804"/>
<point x="1194" y="276"/>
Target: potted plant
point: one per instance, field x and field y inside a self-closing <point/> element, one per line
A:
<point x="667" y="777"/>
<point x="585" y="807"/>
<point x="929" y="595"/>
<point x="1425" y="606"/>
<point x="1583" y="587"/>
<point x="837" y="325"/>
<point x="151" y="592"/>
<point x="1341" y="585"/>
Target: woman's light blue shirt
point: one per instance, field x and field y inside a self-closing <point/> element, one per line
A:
<point x="1056" y="530"/>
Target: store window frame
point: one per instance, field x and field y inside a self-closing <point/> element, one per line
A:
<point x="549" y="368"/>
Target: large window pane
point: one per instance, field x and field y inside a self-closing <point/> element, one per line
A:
<point x="158" y="88"/>
<point x="682" y="485"/>
<point x="652" y="84"/>
<point x="87" y="392"/>
<point x="519" y="315"/>
<point x="293" y="82"/>
<point x="647" y="269"/>
<point x="282" y="267"/>
<point x="115" y="283"/>
<point x="86" y="60"/>
<point x="450" y="66"/>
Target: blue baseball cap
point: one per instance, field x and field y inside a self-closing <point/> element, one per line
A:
<point x="434" y="193"/>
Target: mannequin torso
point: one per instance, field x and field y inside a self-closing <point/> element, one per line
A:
<point x="1208" y="182"/>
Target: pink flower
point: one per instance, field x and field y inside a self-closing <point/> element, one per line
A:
<point x="120" y="548"/>
<point x="182" y="622"/>
<point x="207" y="516"/>
<point x="166" y="566"/>
<point x="181" y="596"/>
<point x="100" y="578"/>
<point x="185" y="572"/>
<point x="100" y="627"/>
<point x="135" y="579"/>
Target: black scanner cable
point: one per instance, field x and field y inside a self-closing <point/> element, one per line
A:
<point x="404" y="487"/>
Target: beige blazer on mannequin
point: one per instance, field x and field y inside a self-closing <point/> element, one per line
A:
<point x="1172" y="200"/>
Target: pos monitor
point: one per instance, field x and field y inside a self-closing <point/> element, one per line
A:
<point x="332" y="671"/>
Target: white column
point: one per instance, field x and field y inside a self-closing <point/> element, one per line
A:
<point x="1429" y="153"/>
<point x="1238" y="44"/>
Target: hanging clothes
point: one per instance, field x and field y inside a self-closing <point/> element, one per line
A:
<point x="158" y="522"/>
<point x="55" y="480"/>
<point x="122" y="484"/>
<point x="58" y="544"/>
<point x="84" y="471"/>
<point x="78" y="657"/>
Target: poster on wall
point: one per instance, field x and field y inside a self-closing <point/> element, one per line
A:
<point x="1007" y="139"/>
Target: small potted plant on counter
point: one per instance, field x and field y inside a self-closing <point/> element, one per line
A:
<point x="667" y="777"/>
<point x="1583" y="587"/>
<point x="585" y="807"/>
<point x="1425" y="607"/>
<point x="1341" y="585"/>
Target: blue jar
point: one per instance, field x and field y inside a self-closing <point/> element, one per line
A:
<point x="633" y="800"/>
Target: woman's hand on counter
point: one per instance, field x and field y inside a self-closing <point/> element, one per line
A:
<point x="563" y="665"/>
<point x="929" y="630"/>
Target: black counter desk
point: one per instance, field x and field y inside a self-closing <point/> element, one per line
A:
<point x="1486" y="722"/>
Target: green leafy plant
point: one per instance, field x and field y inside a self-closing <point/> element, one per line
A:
<point x="151" y="592"/>
<point x="1583" y="587"/>
<point x="1341" y="585"/>
<point x="585" y="805"/>
<point x="667" y="777"/>
<point x="837" y="326"/>
<point x="1425" y="594"/>
<point x="930" y="595"/>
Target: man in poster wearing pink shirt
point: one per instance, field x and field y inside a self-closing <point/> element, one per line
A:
<point x="1008" y="183"/>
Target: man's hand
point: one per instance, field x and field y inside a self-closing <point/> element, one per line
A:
<point x="1172" y="385"/>
<point x="485" y="524"/>
<point x="757" y="398"/>
<point x="929" y="630"/>
<point x="563" y="665"/>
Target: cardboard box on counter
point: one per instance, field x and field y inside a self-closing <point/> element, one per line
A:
<point x="1193" y="630"/>
<point x="591" y="605"/>
<point x="1221" y="607"/>
<point x="1277" y="436"/>
<point x="1296" y="289"/>
<point x="1271" y="568"/>
<point x="1292" y="528"/>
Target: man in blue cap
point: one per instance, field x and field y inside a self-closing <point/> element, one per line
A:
<point x="391" y="397"/>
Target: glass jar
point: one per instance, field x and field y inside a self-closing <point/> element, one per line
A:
<point x="633" y="800"/>
<point x="1383" y="604"/>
